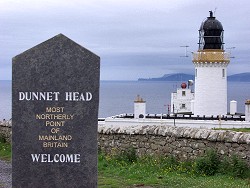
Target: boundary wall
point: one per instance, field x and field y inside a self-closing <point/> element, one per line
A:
<point x="183" y="143"/>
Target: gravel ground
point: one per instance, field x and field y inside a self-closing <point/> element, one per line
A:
<point x="5" y="174"/>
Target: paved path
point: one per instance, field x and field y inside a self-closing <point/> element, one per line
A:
<point x="5" y="174"/>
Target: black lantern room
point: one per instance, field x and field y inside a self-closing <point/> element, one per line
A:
<point x="211" y="34"/>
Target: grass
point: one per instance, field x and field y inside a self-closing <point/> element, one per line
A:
<point x="5" y="150"/>
<point x="160" y="173"/>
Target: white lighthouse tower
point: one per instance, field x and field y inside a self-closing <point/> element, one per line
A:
<point x="210" y="63"/>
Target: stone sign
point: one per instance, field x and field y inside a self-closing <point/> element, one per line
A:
<point x="55" y="98"/>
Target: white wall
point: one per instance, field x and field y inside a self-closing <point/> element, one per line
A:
<point x="208" y="124"/>
<point x="139" y="108"/>
<point x="210" y="89"/>
<point x="177" y="99"/>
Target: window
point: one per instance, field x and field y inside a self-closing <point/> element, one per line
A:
<point x="183" y="106"/>
<point x="223" y="73"/>
<point x="183" y="93"/>
<point x="195" y="72"/>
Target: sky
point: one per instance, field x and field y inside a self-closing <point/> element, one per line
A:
<point x="134" y="38"/>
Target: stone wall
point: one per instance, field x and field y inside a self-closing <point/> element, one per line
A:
<point x="184" y="143"/>
<point x="5" y="130"/>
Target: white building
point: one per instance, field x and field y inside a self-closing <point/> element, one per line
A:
<point x="210" y="63"/>
<point x="181" y="100"/>
<point x="139" y="108"/>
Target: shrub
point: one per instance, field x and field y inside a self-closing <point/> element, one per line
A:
<point x="209" y="164"/>
<point x="2" y="139"/>
<point x="170" y="162"/>
<point x="239" y="168"/>
<point x="225" y="165"/>
<point x="128" y="155"/>
<point x="234" y="167"/>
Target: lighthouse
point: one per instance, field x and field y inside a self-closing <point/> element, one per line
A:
<point x="210" y="62"/>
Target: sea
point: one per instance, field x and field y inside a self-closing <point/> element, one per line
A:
<point x="117" y="97"/>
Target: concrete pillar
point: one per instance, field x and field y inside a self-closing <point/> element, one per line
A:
<point x="233" y="107"/>
<point x="247" y="110"/>
<point x="139" y="108"/>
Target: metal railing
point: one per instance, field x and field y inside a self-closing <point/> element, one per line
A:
<point x="239" y="117"/>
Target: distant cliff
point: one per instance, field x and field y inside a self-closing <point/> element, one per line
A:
<point x="170" y="77"/>
<point x="242" y="77"/>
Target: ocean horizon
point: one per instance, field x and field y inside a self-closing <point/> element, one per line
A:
<point x="117" y="96"/>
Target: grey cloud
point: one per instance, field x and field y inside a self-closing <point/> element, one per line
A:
<point x="135" y="38"/>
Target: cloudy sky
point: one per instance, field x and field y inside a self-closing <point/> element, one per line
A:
<point x="134" y="38"/>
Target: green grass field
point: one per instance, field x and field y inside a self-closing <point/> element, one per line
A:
<point x="5" y="150"/>
<point x="160" y="173"/>
<point x="170" y="180"/>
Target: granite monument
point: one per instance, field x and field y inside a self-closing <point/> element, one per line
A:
<point x="55" y="98"/>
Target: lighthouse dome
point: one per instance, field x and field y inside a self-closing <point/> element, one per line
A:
<point x="211" y="34"/>
<point x="211" y="23"/>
